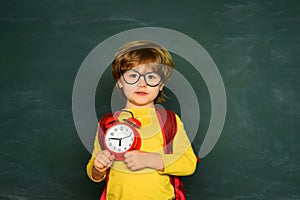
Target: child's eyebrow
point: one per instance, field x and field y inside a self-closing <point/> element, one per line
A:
<point x="153" y="71"/>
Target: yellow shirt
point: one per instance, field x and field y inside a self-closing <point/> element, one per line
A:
<point x="149" y="184"/>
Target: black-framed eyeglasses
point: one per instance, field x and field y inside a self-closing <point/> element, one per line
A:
<point x="132" y="76"/>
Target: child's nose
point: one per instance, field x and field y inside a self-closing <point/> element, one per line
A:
<point x="142" y="82"/>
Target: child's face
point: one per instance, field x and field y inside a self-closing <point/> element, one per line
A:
<point x="140" y="94"/>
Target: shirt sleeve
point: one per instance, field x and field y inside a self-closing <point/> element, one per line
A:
<point x="89" y="167"/>
<point x="182" y="162"/>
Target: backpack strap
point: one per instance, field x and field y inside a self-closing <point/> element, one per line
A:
<point x="103" y="195"/>
<point x="168" y="124"/>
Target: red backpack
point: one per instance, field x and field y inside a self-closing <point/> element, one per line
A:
<point x="167" y="120"/>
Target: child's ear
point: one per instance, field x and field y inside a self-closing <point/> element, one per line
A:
<point x="119" y="84"/>
<point x="161" y="87"/>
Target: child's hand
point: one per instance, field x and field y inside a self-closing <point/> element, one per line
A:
<point x="103" y="161"/>
<point x="137" y="160"/>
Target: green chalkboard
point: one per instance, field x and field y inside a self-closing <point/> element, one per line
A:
<point x="255" y="45"/>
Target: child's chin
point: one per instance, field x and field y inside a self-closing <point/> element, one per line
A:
<point x="143" y="104"/>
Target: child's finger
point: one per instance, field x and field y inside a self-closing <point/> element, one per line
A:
<point x="104" y="161"/>
<point x="104" y="158"/>
<point x="106" y="153"/>
<point x="110" y="156"/>
<point x="130" y="153"/>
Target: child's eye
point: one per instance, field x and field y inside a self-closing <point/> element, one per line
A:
<point x="152" y="76"/>
<point x="133" y="75"/>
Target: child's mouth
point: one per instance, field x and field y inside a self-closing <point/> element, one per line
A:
<point x="141" y="93"/>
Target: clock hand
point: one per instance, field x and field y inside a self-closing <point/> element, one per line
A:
<point x="115" y="138"/>
<point x="126" y="137"/>
<point x="120" y="140"/>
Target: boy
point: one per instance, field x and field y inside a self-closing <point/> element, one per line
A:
<point x="141" y="69"/>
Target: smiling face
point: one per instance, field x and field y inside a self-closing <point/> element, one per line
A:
<point x="139" y="94"/>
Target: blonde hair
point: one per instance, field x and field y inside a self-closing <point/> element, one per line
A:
<point x="143" y="52"/>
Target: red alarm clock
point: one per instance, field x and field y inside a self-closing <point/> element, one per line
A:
<point x="121" y="137"/>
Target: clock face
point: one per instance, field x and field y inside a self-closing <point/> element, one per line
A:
<point x="119" y="138"/>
